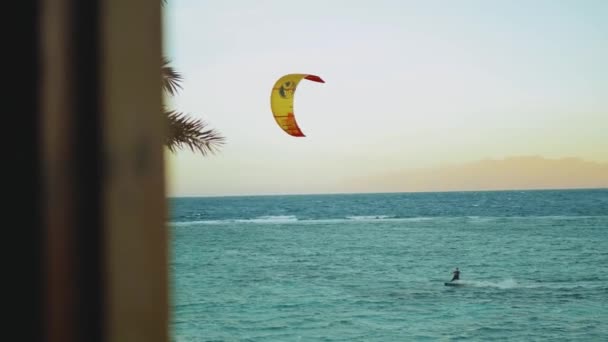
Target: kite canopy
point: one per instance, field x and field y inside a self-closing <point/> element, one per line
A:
<point x="281" y="101"/>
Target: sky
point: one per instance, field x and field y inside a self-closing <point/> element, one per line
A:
<point x="410" y="85"/>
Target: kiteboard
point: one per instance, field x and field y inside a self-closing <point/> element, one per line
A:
<point x="453" y="284"/>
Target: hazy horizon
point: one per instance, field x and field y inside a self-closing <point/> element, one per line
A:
<point x="410" y="86"/>
<point x="509" y="174"/>
<point x="379" y="192"/>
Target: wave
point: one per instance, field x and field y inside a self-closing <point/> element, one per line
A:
<point x="269" y="219"/>
<point x="503" y="284"/>
<point x="511" y="283"/>
<point x="261" y="219"/>
<point x="285" y="219"/>
<point x="197" y="222"/>
<point x="294" y="219"/>
<point x="368" y="217"/>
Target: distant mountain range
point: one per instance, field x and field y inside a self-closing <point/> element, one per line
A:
<point x="525" y="172"/>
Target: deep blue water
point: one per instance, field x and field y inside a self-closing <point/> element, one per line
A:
<point x="372" y="267"/>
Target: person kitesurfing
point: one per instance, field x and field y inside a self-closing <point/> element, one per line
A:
<point x="456" y="274"/>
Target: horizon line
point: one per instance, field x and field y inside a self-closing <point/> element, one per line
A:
<point x="388" y="192"/>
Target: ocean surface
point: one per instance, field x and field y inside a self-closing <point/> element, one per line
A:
<point x="372" y="267"/>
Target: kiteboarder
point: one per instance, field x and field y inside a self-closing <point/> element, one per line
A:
<point x="456" y="274"/>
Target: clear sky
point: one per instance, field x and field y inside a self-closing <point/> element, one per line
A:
<point x="409" y="85"/>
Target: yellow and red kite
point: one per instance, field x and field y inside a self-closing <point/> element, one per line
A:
<point x="281" y="101"/>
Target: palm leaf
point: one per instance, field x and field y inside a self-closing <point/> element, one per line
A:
<point x="193" y="133"/>
<point x="184" y="131"/>
<point x="171" y="79"/>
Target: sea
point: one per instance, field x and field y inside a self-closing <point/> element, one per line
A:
<point x="373" y="267"/>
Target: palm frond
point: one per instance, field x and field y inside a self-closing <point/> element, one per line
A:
<point x="171" y="79"/>
<point x="193" y="133"/>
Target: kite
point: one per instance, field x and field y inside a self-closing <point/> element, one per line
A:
<point x="281" y="101"/>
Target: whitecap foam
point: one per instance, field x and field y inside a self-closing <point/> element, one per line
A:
<point x="368" y="217"/>
<point x="270" y="219"/>
<point x="198" y="222"/>
<point x="293" y="219"/>
<point x="365" y="218"/>
<point x="503" y="284"/>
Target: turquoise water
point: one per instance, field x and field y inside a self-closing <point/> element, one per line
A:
<point x="373" y="267"/>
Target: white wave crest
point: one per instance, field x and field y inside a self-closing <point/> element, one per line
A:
<point x="270" y="219"/>
<point x="194" y="223"/>
<point x="503" y="284"/>
<point x="368" y="217"/>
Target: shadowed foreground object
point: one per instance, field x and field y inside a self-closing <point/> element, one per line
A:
<point x="102" y="171"/>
